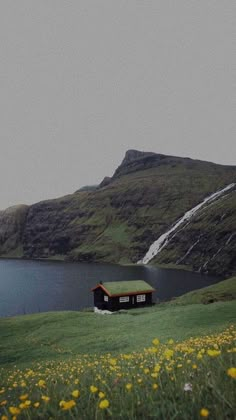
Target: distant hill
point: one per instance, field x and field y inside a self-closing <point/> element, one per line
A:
<point x="222" y="291"/>
<point x="118" y="220"/>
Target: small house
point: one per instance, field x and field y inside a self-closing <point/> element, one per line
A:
<point x="116" y="295"/>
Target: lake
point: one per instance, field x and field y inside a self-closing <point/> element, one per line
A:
<point x="39" y="286"/>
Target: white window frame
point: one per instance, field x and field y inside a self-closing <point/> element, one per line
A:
<point x="106" y="298"/>
<point x="141" y="298"/>
<point x="124" y="299"/>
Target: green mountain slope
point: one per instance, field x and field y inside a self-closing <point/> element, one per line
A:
<point x="208" y="242"/>
<point x="222" y="291"/>
<point x="118" y="221"/>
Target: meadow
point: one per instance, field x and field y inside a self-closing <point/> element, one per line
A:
<point x="170" y="361"/>
<point x="191" y="379"/>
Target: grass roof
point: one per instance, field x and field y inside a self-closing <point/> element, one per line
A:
<point x="132" y="286"/>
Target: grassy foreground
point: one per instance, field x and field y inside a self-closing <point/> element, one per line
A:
<point x="186" y="380"/>
<point x="165" y="362"/>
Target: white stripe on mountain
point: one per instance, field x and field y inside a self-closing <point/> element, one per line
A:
<point x="163" y="240"/>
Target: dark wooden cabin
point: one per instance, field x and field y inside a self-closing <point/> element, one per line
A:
<point x="112" y="296"/>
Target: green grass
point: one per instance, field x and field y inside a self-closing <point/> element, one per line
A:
<point x="118" y="234"/>
<point x="45" y="357"/>
<point x="140" y="385"/>
<point x="223" y="291"/>
<point x="38" y="337"/>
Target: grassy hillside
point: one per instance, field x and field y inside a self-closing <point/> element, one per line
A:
<point x="62" y="334"/>
<point x="223" y="291"/>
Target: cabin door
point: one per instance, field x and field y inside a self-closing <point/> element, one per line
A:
<point x="132" y="300"/>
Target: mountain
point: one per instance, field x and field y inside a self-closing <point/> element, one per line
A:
<point x="118" y="220"/>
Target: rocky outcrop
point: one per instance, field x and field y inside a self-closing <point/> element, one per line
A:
<point x="12" y="223"/>
<point x="106" y="181"/>
<point x="135" y="161"/>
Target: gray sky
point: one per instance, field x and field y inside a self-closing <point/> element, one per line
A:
<point x="82" y="81"/>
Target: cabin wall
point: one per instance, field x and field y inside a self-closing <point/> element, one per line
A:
<point x="99" y="299"/>
<point x="113" y="304"/>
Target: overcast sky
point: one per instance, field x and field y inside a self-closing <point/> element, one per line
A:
<point x="82" y="81"/>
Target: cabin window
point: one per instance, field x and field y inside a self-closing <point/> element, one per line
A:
<point x="124" y="299"/>
<point x="105" y="298"/>
<point x="141" y="298"/>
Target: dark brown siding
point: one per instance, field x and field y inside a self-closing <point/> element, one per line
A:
<point x="99" y="299"/>
<point x="114" y="303"/>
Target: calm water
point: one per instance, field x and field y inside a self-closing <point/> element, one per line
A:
<point x="35" y="286"/>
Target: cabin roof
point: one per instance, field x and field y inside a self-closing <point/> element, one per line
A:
<point x="122" y="288"/>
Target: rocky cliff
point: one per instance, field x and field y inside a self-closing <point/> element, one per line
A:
<point x="118" y="220"/>
<point x="12" y="224"/>
<point x="208" y="242"/>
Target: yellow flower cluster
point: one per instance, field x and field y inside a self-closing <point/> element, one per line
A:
<point x="106" y="382"/>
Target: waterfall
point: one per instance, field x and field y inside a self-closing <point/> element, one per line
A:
<point x="164" y="239"/>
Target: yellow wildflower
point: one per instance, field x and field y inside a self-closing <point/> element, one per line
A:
<point x="101" y="394"/>
<point x="93" y="389"/>
<point x="213" y="353"/>
<point x="75" y="393"/>
<point x="157" y="368"/>
<point x="154" y="386"/>
<point x="23" y="384"/>
<point x="232" y="372"/>
<point x="128" y="386"/>
<point x="4" y="418"/>
<point x="168" y="353"/>
<point x="204" y="412"/>
<point x="23" y="397"/>
<point x="155" y="342"/>
<point x="67" y="405"/>
<point x="36" y="404"/>
<point x="41" y="383"/>
<point x="104" y="404"/>
<point x="4" y="402"/>
<point x="45" y="398"/>
<point x="14" y="410"/>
